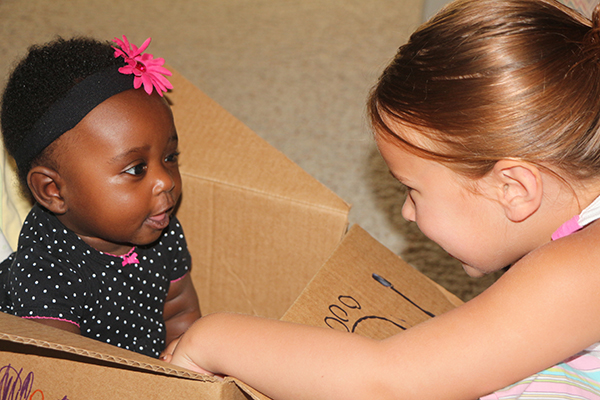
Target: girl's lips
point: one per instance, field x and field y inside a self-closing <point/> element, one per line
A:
<point x="159" y="221"/>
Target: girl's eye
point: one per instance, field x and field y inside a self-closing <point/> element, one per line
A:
<point x="137" y="169"/>
<point x="174" y="157"/>
<point x="408" y="188"/>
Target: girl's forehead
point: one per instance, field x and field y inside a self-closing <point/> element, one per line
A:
<point x="408" y="140"/>
<point x="404" y="133"/>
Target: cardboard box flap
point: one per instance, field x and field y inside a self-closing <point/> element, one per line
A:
<point x="33" y="377"/>
<point x="265" y="237"/>
<point x="216" y="146"/>
<point x="250" y="391"/>
<point x="252" y="217"/>
<point x="367" y="289"/>
<point x="62" y="362"/>
<point x="21" y="331"/>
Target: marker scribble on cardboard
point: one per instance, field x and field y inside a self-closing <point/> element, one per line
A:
<point x="341" y="317"/>
<point x="366" y="289"/>
<point x="348" y="315"/>
<point x="18" y="385"/>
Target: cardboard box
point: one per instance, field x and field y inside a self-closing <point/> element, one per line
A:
<point x="266" y="239"/>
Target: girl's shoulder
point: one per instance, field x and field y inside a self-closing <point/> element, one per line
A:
<point x="565" y="268"/>
<point x="580" y="250"/>
<point x="542" y="311"/>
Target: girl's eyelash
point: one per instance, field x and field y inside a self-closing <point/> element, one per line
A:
<point x="408" y="188"/>
<point x="399" y="180"/>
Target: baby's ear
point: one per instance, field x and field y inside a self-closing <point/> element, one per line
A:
<point x="519" y="188"/>
<point x="45" y="184"/>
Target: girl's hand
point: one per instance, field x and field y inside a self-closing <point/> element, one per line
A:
<point x="185" y="362"/>
<point x="167" y="353"/>
<point x="181" y="359"/>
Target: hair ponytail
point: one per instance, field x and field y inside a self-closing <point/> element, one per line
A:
<point x="486" y="80"/>
<point x="591" y="41"/>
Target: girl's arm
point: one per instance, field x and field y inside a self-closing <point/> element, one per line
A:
<point x="540" y="312"/>
<point x="181" y="307"/>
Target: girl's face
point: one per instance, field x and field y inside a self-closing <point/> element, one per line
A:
<point x="120" y="173"/>
<point x="471" y="227"/>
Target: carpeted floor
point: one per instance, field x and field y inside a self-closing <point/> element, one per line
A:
<point x="296" y="71"/>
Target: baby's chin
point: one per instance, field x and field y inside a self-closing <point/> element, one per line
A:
<point x="148" y="239"/>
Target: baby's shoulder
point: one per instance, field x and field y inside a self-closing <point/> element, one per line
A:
<point x="45" y="243"/>
<point x="41" y="225"/>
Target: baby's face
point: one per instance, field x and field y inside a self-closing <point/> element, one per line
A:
<point x="120" y="172"/>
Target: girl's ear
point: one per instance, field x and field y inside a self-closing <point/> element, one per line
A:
<point x="45" y="185"/>
<point x="519" y="188"/>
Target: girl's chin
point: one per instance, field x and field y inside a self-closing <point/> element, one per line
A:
<point x="472" y="272"/>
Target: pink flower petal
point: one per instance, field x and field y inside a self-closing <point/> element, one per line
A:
<point x="152" y="76"/>
<point x="160" y="70"/>
<point x="137" y="82"/>
<point x="144" y="45"/>
<point x="158" y="85"/>
<point x="147" y="79"/>
<point x="164" y="82"/>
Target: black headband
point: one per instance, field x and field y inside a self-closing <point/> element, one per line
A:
<point x="65" y="113"/>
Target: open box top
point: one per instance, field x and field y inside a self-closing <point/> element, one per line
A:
<point x="253" y="218"/>
<point x="265" y="238"/>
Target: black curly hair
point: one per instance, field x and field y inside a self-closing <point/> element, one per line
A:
<point x="43" y="77"/>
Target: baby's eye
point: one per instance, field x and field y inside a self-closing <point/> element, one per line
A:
<point x="173" y="157"/>
<point x="137" y="169"/>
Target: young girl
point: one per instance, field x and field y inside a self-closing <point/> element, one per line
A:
<point x="490" y="115"/>
<point x="100" y="253"/>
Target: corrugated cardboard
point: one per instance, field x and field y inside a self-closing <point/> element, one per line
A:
<point x="39" y="362"/>
<point x="253" y="218"/>
<point x="265" y="238"/>
<point x="366" y="289"/>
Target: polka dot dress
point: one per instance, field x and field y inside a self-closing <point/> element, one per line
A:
<point x="54" y="274"/>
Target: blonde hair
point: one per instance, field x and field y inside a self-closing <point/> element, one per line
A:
<point x="486" y="80"/>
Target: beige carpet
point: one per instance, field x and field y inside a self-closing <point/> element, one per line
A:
<point x="295" y="71"/>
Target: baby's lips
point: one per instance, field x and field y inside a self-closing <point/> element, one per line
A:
<point x="160" y="221"/>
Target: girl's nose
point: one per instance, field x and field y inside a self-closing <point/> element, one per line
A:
<point x="408" y="209"/>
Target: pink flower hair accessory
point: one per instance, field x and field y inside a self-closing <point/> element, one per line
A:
<point x="147" y="70"/>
